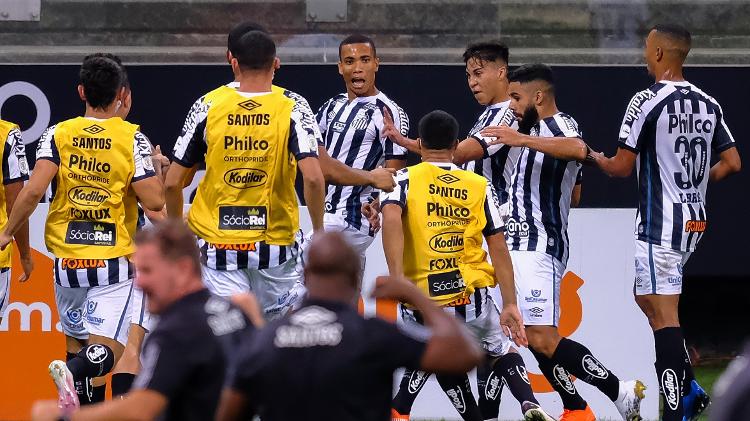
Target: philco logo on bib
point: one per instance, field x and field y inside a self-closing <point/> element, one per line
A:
<point x="91" y="233"/>
<point x="245" y="178"/>
<point x="242" y="217"/>
<point x="88" y="196"/>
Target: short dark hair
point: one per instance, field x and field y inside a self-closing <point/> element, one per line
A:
<point x="675" y="31"/>
<point x="255" y="51"/>
<point x="487" y="51"/>
<point x="438" y="130"/>
<point x="116" y="59"/>
<point x="533" y="72"/>
<point x="101" y="78"/>
<point x="358" y="39"/>
<point x="241" y="29"/>
<point x="174" y="241"/>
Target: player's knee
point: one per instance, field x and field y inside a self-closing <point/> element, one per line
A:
<point x="543" y="339"/>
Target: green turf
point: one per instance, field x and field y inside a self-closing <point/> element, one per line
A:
<point x="706" y="374"/>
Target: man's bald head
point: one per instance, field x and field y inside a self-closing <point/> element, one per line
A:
<point x="332" y="268"/>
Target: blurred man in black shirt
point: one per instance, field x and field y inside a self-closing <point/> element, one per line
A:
<point x="326" y="362"/>
<point x="186" y="356"/>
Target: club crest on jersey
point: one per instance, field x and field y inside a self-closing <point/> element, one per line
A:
<point x="592" y="366"/>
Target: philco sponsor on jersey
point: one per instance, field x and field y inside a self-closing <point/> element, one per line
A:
<point x="445" y="283"/>
<point x="695" y="226"/>
<point x="89" y="164"/>
<point x="417" y="379"/>
<point x="245" y="143"/>
<point x="88" y="195"/>
<point x="91" y="233"/>
<point x="592" y="366"/>
<point x="669" y="385"/>
<point x="447" y="242"/>
<point x="563" y="379"/>
<point x="242" y="217"/>
<point x="457" y="399"/>
<point x="245" y="178"/>
<point x="447" y="211"/>
<point x="517" y="228"/>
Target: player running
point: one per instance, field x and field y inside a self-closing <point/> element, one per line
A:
<point x="93" y="161"/>
<point x="670" y="132"/>
<point x="15" y="172"/>
<point x="245" y="212"/>
<point x="540" y="199"/>
<point x="433" y="228"/>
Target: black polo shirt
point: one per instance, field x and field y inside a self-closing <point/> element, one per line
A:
<point x="326" y="362"/>
<point x="186" y="357"/>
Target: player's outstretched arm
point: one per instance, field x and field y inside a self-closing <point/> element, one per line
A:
<point x="565" y="148"/>
<point x="150" y="192"/>
<point x="336" y="172"/>
<point x="451" y="348"/>
<point x="729" y="163"/>
<point x="314" y="185"/>
<point x="510" y="315"/>
<point x="28" y="198"/>
<point x="620" y="165"/>
<point x="174" y="182"/>
<point x="391" y="132"/>
<point x="22" y="235"/>
<point x="468" y="149"/>
<point x="393" y="238"/>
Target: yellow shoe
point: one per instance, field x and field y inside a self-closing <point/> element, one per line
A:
<point x="578" y="415"/>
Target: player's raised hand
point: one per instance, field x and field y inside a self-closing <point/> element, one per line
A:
<point x="390" y="130"/>
<point x="394" y="288"/>
<point x="161" y="162"/>
<point x="504" y="135"/>
<point x="5" y="239"/>
<point x="512" y="323"/>
<point x="371" y="211"/>
<point x="382" y="178"/>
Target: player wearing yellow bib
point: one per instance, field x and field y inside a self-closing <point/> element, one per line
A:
<point x="15" y="170"/>
<point x="92" y="162"/>
<point x="245" y="211"/>
<point x="434" y="224"/>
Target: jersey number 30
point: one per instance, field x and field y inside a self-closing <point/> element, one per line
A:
<point x="694" y="154"/>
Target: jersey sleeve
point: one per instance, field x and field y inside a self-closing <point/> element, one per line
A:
<point x="401" y="121"/>
<point x="398" y="346"/>
<point x="47" y="149"/>
<point x="304" y="136"/>
<point x="398" y="195"/>
<point x="495" y="222"/>
<point x="165" y="367"/>
<point x="723" y="138"/>
<point x="144" y="166"/>
<point x="190" y="148"/>
<point x="322" y="119"/>
<point x="504" y="118"/>
<point x="566" y="126"/>
<point x="15" y="167"/>
<point x="633" y="121"/>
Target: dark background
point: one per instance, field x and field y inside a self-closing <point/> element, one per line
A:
<point x="596" y="96"/>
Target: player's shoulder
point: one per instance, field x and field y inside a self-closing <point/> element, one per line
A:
<point x="704" y="95"/>
<point x="402" y="174"/>
<point x="7" y="126"/>
<point x="562" y="125"/>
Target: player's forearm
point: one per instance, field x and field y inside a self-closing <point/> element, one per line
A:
<point x="411" y="145"/>
<point x="729" y="163"/>
<point x="336" y="172"/>
<point x="503" y="266"/>
<point x="393" y="240"/>
<point x="565" y="148"/>
<point x="23" y="207"/>
<point x="22" y="235"/>
<point x="175" y="200"/>
<point x="315" y="200"/>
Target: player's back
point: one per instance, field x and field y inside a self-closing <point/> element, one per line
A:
<point x="674" y="127"/>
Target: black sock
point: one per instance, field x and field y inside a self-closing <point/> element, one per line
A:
<point x="411" y="384"/>
<point x="670" y="370"/>
<point x="513" y="370"/>
<point x="689" y="374"/>
<point x="580" y="362"/>
<point x="83" y="390"/>
<point x="458" y="390"/>
<point x="69" y="356"/>
<point x="121" y="383"/>
<point x="490" y="385"/>
<point x="560" y="380"/>
<point x="92" y="361"/>
<point x="98" y="393"/>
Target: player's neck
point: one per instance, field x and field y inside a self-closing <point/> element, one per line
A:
<point x="430" y="155"/>
<point x="101" y="113"/>
<point x="547" y="110"/>
<point x="371" y="92"/>
<point x="671" y="74"/>
<point x="255" y="82"/>
<point x="500" y="98"/>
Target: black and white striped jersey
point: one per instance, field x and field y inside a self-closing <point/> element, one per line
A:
<point x="674" y="127"/>
<point x="540" y="193"/>
<point x="352" y="133"/>
<point x="499" y="161"/>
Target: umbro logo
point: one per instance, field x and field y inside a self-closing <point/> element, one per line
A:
<point x="448" y="178"/>
<point x="685" y="91"/>
<point x="249" y="105"/>
<point x="94" y="129"/>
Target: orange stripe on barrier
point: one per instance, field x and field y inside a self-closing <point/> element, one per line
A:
<point x="386" y="309"/>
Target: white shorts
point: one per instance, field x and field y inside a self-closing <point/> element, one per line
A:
<point x="359" y="240"/>
<point x="270" y="286"/>
<point x="481" y="316"/>
<point x="139" y="314"/>
<point x="658" y="269"/>
<point x="101" y="310"/>
<point x="4" y="290"/>
<point x="537" y="275"/>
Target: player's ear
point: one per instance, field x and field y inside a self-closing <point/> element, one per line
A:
<point x="81" y="93"/>
<point x="235" y="66"/>
<point x="377" y="63"/>
<point x="341" y="68"/>
<point x="229" y="57"/>
<point x="659" y="53"/>
<point x="276" y="63"/>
